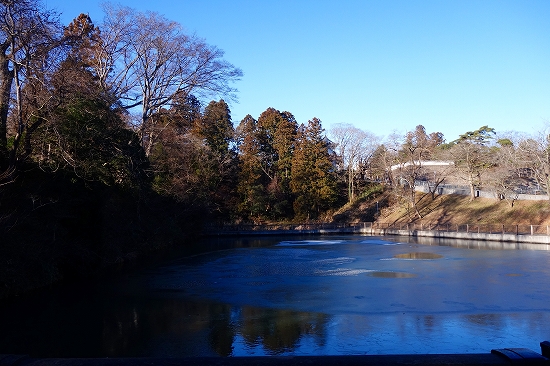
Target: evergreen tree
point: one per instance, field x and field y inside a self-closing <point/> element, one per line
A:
<point x="84" y="130"/>
<point x="280" y="193"/>
<point x="266" y="147"/>
<point x="472" y="156"/>
<point x="265" y="132"/>
<point x="253" y="201"/>
<point x="216" y="127"/>
<point x="276" y="135"/>
<point x="416" y="148"/>
<point x="193" y="157"/>
<point x="185" y="113"/>
<point x="313" y="179"/>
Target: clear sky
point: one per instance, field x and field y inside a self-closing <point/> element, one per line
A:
<point x="381" y="65"/>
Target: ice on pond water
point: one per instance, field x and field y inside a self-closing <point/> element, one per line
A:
<point x="386" y="274"/>
<point x="371" y="286"/>
<point x="342" y="272"/>
<point x="310" y="242"/>
<point x="334" y="261"/>
<point x="309" y="296"/>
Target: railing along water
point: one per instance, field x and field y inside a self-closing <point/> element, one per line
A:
<point x="539" y="234"/>
<point x="459" y="228"/>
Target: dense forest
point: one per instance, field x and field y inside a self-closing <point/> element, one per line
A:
<point x="110" y="144"/>
<point x="116" y="139"/>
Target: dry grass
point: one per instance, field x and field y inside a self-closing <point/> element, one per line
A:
<point x="454" y="209"/>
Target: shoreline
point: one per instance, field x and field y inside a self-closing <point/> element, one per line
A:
<point x="368" y="229"/>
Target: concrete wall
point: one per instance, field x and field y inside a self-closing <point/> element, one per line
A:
<point x="533" y="239"/>
<point x="422" y="186"/>
<point x="368" y="229"/>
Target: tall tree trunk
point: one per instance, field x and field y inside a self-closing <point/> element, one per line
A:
<point x="472" y="188"/>
<point x="18" y="116"/>
<point x="6" y="81"/>
<point x="351" y="191"/>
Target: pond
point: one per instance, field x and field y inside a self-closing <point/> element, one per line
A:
<point x="330" y="295"/>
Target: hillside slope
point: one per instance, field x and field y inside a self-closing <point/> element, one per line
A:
<point x="455" y="209"/>
<point x="365" y="208"/>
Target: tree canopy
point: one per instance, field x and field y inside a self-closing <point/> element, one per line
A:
<point x="118" y="134"/>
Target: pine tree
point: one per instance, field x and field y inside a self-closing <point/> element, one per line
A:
<point x="284" y="138"/>
<point x="313" y="179"/>
<point x="253" y="200"/>
<point x="216" y="127"/>
<point x="82" y="130"/>
<point x="272" y="137"/>
<point x="472" y="155"/>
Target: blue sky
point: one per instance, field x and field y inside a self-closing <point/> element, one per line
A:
<point x="381" y="65"/>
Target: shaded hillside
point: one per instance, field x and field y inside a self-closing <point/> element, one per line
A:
<point x="56" y="228"/>
<point x="365" y="208"/>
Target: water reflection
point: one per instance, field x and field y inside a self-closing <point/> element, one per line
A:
<point x="183" y="328"/>
<point x="298" y="297"/>
<point x="392" y="274"/>
<point x="418" y="255"/>
<point x="474" y="244"/>
<point x="486" y="320"/>
<point x="279" y="331"/>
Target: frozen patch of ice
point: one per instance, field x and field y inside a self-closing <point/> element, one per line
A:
<point x="378" y="242"/>
<point x="339" y="260"/>
<point x="309" y="242"/>
<point x="342" y="272"/>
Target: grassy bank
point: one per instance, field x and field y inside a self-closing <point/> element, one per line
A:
<point x="459" y="210"/>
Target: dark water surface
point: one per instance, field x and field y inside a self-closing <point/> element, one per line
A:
<point x="296" y="296"/>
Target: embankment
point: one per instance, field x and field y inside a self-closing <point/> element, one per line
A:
<point x="516" y="234"/>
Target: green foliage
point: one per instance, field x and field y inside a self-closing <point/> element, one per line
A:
<point x="505" y="142"/>
<point x="266" y="148"/>
<point x="372" y="190"/>
<point x="472" y="156"/>
<point x="481" y="136"/>
<point x="313" y="179"/>
<point x="253" y="202"/>
<point x="89" y="138"/>
<point x="216" y="127"/>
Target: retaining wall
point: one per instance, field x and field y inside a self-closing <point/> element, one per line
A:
<point x="369" y="229"/>
<point x="535" y="239"/>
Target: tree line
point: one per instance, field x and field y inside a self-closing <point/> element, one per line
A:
<point x="111" y="145"/>
<point x="506" y="165"/>
<point x="105" y="150"/>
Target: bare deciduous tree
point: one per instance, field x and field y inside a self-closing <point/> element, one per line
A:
<point x="417" y="147"/>
<point x="535" y="155"/>
<point x="355" y="148"/>
<point x="28" y="34"/>
<point x="505" y="177"/>
<point x="146" y="60"/>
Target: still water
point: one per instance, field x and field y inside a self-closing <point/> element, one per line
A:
<point x="298" y="296"/>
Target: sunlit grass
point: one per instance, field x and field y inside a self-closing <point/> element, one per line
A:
<point x="454" y="209"/>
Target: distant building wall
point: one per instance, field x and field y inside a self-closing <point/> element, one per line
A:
<point x="423" y="163"/>
<point x="423" y="186"/>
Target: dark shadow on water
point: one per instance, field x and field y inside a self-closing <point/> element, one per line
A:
<point x="391" y="274"/>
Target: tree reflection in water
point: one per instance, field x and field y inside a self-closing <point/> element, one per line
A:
<point x="280" y="331"/>
<point x="342" y="295"/>
<point x="274" y="331"/>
